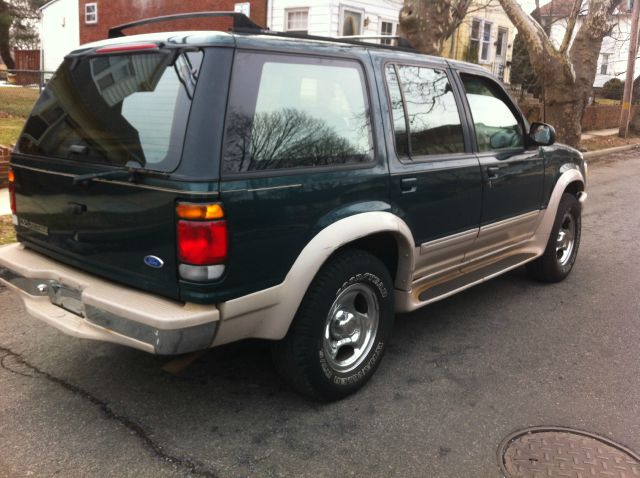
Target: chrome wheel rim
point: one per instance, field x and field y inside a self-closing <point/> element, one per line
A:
<point x="350" y="328"/>
<point x="565" y="242"/>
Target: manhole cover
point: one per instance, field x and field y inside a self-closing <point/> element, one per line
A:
<point x="562" y="452"/>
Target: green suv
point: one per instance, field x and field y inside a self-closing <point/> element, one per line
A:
<point x="178" y="191"/>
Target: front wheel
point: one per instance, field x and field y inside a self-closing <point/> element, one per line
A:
<point x="339" y="334"/>
<point x="562" y="249"/>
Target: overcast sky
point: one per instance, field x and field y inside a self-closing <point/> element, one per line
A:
<point x="529" y="5"/>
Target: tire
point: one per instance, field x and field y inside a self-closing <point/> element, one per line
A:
<point x="562" y="249"/>
<point x="340" y="331"/>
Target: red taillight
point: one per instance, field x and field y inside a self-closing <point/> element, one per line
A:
<point x="12" y="191"/>
<point x="127" y="47"/>
<point x="202" y="243"/>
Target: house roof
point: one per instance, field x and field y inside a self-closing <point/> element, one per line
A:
<point x="49" y="3"/>
<point x="555" y="8"/>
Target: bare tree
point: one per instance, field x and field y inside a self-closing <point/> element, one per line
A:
<point x="567" y="71"/>
<point x="16" y="26"/>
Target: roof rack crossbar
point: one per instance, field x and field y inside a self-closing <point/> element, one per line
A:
<point x="403" y="44"/>
<point x="240" y="20"/>
<point x="400" y="41"/>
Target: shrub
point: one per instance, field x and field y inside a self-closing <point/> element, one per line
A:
<point x="613" y="89"/>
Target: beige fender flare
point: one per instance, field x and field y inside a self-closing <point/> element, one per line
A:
<point x="268" y="313"/>
<point x="545" y="225"/>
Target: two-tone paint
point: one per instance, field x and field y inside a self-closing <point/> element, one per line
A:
<point x="463" y="219"/>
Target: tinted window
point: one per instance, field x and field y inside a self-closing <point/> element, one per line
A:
<point x="434" y="120"/>
<point x="496" y="125"/>
<point x="119" y="108"/>
<point x="288" y="112"/>
<point x="397" y="110"/>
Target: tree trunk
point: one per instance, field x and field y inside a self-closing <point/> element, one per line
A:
<point x="567" y="76"/>
<point x="5" y="26"/>
<point x="427" y="24"/>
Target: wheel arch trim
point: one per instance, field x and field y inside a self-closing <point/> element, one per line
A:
<point x="268" y="313"/>
<point x="568" y="177"/>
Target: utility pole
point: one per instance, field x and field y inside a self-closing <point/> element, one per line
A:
<point x="631" y="65"/>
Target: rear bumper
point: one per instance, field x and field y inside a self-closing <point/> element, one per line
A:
<point x="86" y="306"/>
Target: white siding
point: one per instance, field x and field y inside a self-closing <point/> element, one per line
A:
<point x="59" y="32"/>
<point x="325" y="16"/>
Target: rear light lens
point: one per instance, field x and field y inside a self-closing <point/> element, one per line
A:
<point x="199" y="211"/>
<point x="12" y="191"/>
<point x="202" y="243"/>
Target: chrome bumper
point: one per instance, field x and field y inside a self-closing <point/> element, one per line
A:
<point x="86" y="306"/>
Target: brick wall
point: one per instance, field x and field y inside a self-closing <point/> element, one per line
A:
<point x="603" y="116"/>
<point x="115" y="12"/>
<point x="4" y="165"/>
<point x="595" y="116"/>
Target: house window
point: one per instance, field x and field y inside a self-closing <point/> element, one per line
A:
<point x="604" y="65"/>
<point x="351" y="23"/>
<point x="480" y="40"/>
<point x="387" y="28"/>
<point x="297" y="20"/>
<point x="91" y="13"/>
<point x="244" y="7"/>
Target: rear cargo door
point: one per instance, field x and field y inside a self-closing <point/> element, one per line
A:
<point x="94" y="164"/>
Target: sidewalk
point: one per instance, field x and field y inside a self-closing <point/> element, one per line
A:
<point x="4" y="202"/>
<point x="599" y="132"/>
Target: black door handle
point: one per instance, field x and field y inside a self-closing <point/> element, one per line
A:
<point x="408" y="185"/>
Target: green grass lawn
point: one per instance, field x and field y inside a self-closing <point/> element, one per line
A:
<point x="7" y="232"/>
<point x="10" y="129"/>
<point x="15" y="106"/>
<point x="17" y="102"/>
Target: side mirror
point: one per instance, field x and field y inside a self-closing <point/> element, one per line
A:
<point x="542" y="134"/>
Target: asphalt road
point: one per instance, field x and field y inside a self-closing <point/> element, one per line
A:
<point x="459" y="376"/>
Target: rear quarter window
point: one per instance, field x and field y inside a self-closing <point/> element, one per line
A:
<point x="293" y="112"/>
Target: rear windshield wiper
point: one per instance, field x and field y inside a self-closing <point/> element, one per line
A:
<point x="114" y="174"/>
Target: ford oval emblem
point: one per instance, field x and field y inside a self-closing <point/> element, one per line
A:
<point x="153" y="261"/>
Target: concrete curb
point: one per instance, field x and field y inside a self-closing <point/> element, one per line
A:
<point x="601" y="154"/>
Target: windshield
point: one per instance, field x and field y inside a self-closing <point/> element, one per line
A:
<point x="116" y="109"/>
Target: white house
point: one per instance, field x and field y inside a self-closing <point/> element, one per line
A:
<point x="59" y="31"/>
<point x="334" y="17"/>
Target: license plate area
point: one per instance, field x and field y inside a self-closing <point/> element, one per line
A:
<point x="65" y="297"/>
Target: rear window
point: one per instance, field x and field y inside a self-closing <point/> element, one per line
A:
<point x="293" y="112"/>
<point x="116" y="109"/>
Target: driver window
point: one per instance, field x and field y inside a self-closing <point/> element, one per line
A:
<point x="496" y="126"/>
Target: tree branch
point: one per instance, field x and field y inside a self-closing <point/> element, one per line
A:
<point x="571" y="24"/>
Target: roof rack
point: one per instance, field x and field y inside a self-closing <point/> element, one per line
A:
<point x="240" y="21"/>
<point x="400" y="41"/>
<point x="403" y="44"/>
<point x="243" y="24"/>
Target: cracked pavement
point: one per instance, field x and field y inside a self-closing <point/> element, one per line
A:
<point x="459" y="376"/>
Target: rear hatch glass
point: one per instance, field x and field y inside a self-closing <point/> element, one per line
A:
<point x="121" y="109"/>
<point x="102" y="114"/>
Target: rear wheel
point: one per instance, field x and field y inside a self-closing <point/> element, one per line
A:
<point x="562" y="249"/>
<point x="339" y="334"/>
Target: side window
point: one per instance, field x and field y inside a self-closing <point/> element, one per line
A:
<point x="495" y="123"/>
<point x="431" y="111"/>
<point x="397" y="110"/>
<point x="292" y="112"/>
